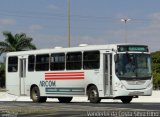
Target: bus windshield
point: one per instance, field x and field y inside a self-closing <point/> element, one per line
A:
<point x="133" y="65"/>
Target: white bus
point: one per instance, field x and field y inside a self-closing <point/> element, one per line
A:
<point x="96" y="71"/>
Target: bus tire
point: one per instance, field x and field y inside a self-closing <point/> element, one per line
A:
<point x="93" y="95"/>
<point x="65" y="99"/>
<point x="35" y="95"/>
<point x="126" y="100"/>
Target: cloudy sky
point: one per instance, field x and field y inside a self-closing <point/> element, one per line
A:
<point x="92" y="21"/>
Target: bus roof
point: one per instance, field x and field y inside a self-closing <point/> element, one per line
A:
<point x="82" y="47"/>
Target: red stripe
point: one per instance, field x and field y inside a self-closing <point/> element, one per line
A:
<point x="64" y="78"/>
<point x="64" y="75"/>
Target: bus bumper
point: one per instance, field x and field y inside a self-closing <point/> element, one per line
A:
<point x="125" y="92"/>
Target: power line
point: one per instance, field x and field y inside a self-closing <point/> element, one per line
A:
<point x="37" y="15"/>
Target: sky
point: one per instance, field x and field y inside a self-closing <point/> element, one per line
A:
<point x="92" y="21"/>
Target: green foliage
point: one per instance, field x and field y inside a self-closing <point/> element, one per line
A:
<point x="156" y="80"/>
<point x="2" y="75"/>
<point x="17" y="42"/>
<point x="12" y="43"/>
<point x="156" y="69"/>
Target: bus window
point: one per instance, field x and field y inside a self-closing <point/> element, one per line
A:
<point x="74" y="61"/>
<point x="31" y="62"/>
<point x="140" y="66"/>
<point x="12" y="64"/>
<point x="42" y="62"/>
<point x="57" y="61"/>
<point x="91" y="60"/>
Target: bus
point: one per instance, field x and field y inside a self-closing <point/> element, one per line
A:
<point x="95" y="71"/>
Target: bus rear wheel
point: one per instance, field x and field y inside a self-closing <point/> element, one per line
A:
<point x="126" y="100"/>
<point x="35" y="95"/>
<point x="65" y="99"/>
<point x="93" y="95"/>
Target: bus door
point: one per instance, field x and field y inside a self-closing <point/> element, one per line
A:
<point x="22" y="74"/>
<point x="108" y="74"/>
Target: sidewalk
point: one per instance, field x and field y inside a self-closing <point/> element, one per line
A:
<point x="155" y="98"/>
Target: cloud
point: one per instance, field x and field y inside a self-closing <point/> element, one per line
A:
<point x="7" y="22"/>
<point x="150" y="34"/>
<point x="35" y="27"/>
<point x="143" y="35"/>
<point x="48" y="40"/>
<point x="155" y="20"/>
<point x="155" y="16"/>
<point x="52" y="7"/>
<point x="147" y="33"/>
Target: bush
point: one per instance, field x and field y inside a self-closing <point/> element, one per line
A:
<point x="2" y="75"/>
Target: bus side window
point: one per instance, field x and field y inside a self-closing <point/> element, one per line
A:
<point x="57" y="61"/>
<point x="31" y="63"/>
<point x="42" y="62"/>
<point x="91" y="60"/>
<point x="74" y="61"/>
<point x="13" y="64"/>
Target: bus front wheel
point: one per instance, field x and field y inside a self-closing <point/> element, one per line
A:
<point x="35" y="95"/>
<point x="93" y="94"/>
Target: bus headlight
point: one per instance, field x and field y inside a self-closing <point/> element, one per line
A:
<point x="149" y="85"/>
<point x="122" y="87"/>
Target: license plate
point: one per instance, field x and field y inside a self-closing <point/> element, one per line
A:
<point x="136" y="93"/>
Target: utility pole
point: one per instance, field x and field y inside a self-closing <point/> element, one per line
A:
<point x="125" y="20"/>
<point x="69" y="37"/>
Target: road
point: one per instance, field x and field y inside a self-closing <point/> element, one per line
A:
<point x="78" y="109"/>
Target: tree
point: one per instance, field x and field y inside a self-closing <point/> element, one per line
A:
<point x="156" y="69"/>
<point x="17" y="42"/>
<point x="2" y="75"/>
<point x="12" y="43"/>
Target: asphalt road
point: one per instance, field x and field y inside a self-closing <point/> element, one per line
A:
<point x="81" y="109"/>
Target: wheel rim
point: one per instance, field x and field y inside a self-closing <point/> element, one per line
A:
<point x="35" y="94"/>
<point x="93" y="94"/>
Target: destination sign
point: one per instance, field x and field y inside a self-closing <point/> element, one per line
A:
<point x="137" y="48"/>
